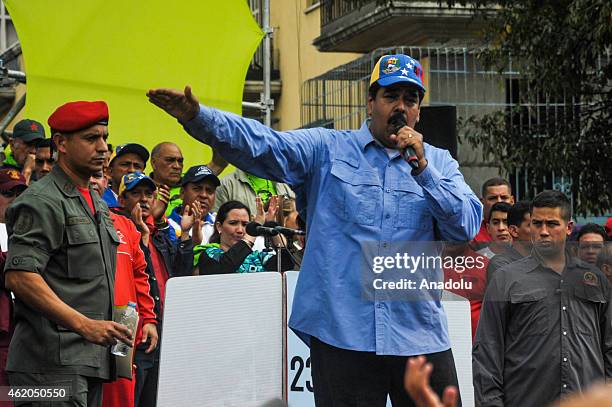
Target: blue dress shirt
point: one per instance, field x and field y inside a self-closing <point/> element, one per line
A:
<point x="354" y="194"/>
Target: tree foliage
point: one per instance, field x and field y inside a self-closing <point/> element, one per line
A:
<point x="562" y="49"/>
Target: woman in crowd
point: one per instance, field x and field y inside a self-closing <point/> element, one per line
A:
<point x="231" y="249"/>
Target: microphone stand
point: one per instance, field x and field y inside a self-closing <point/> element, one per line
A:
<point x="269" y="243"/>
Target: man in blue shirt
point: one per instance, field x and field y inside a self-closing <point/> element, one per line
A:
<point x="357" y="190"/>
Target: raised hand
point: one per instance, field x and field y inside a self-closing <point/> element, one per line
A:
<point x="28" y="167"/>
<point x="161" y="202"/>
<point x="416" y="383"/>
<point x="182" y="105"/>
<point x="197" y="235"/>
<point x="260" y="216"/>
<point x="273" y="206"/>
<point x="142" y="227"/>
<point x="187" y="219"/>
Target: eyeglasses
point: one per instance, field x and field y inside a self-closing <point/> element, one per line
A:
<point x="11" y="193"/>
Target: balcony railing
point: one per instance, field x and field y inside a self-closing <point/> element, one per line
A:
<point x="332" y="10"/>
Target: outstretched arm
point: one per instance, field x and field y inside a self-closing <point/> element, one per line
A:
<point x="184" y="106"/>
<point x="287" y="157"/>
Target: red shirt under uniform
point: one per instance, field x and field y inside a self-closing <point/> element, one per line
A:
<point x="478" y="277"/>
<point x="131" y="284"/>
<point x="87" y="196"/>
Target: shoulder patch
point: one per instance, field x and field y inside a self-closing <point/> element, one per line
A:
<point x="590" y="279"/>
<point x="24" y="222"/>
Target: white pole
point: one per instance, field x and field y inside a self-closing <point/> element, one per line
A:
<point x="267" y="56"/>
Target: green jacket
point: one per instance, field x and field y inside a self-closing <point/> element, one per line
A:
<point x="9" y="160"/>
<point x="236" y="187"/>
<point x="53" y="232"/>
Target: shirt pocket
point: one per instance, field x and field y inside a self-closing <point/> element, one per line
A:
<point x="529" y="313"/>
<point x="587" y="307"/>
<point x="74" y="350"/>
<point x="84" y="253"/>
<point x="356" y="194"/>
<point x="412" y="209"/>
<point x="112" y="232"/>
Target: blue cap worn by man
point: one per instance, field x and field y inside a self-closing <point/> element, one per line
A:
<point x="392" y="69"/>
<point x="125" y="159"/>
<point x="363" y="199"/>
<point x="132" y="180"/>
<point x="199" y="184"/>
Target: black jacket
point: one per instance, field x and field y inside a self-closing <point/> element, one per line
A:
<point x="178" y="259"/>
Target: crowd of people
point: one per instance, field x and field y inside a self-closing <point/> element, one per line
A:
<point x="149" y="228"/>
<point x="85" y="230"/>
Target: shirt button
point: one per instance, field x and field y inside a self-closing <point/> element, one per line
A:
<point x="387" y="216"/>
<point x="561" y="281"/>
<point x="565" y="386"/>
<point x="388" y="190"/>
<point x="565" y="359"/>
<point x="563" y="308"/>
<point x="156" y="298"/>
<point x="379" y="306"/>
<point x="564" y="332"/>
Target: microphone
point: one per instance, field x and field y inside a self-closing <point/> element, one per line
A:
<point x="398" y="121"/>
<point x="255" y="229"/>
<point x="289" y="232"/>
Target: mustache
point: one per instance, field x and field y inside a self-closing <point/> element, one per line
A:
<point x="397" y="120"/>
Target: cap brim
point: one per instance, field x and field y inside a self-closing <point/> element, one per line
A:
<point x="139" y="182"/>
<point x="30" y="137"/>
<point x="137" y="149"/>
<point x="201" y="178"/>
<point x="392" y="80"/>
<point x="7" y="186"/>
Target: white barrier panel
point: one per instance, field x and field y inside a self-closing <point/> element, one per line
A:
<point x="459" y="319"/>
<point x="222" y="342"/>
<point x="299" y="380"/>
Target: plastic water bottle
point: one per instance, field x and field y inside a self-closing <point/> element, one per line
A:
<point x="129" y="318"/>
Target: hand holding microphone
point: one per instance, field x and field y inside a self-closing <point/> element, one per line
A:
<point x="409" y="153"/>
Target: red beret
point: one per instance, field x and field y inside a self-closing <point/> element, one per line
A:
<point x="75" y="116"/>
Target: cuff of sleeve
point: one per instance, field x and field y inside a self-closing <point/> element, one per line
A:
<point x="149" y="321"/>
<point x="200" y="123"/>
<point x="429" y="178"/>
<point x="26" y="259"/>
